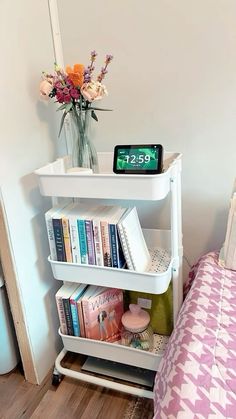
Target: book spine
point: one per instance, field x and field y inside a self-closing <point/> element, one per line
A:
<point x="51" y="237"/>
<point x="74" y="237"/>
<point x="90" y="242"/>
<point x="81" y="318"/>
<point x="66" y="235"/>
<point x="98" y="243"/>
<point x="75" y="319"/>
<point x="59" y="239"/>
<point x="86" y="317"/>
<point x="61" y="315"/>
<point x="105" y="243"/>
<point x="82" y="241"/>
<point x="113" y="245"/>
<point x="69" y="324"/>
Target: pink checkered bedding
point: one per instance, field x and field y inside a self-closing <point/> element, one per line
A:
<point x="197" y="376"/>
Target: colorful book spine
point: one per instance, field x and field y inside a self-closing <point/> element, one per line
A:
<point x="61" y="315"/>
<point x="75" y="318"/>
<point x="59" y="239"/>
<point x="82" y="241"/>
<point x="81" y="317"/>
<point x="90" y="242"/>
<point x="98" y="242"/>
<point x="68" y="316"/>
<point x="113" y="245"/>
<point x="105" y="243"/>
<point x="51" y="237"/>
<point x="67" y="241"/>
<point x="74" y="238"/>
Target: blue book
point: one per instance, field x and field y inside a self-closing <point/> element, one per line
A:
<point x="82" y="241"/>
<point x="74" y="308"/>
<point x="59" y="239"/>
<point x="117" y="256"/>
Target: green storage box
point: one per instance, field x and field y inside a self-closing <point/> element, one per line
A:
<point x="159" y="306"/>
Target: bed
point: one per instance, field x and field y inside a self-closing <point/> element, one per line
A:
<point x="197" y="376"/>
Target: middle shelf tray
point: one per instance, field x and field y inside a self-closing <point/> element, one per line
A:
<point x="156" y="281"/>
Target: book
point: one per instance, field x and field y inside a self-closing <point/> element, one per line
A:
<point x="133" y="242"/>
<point x="64" y="292"/>
<point x="76" y="250"/>
<point x="97" y="236"/>
<point x="89" y="291"/>
<point x="58" y="232"/>
<point x="50" y="232"/>
<point x="117" y="255"/>
<point x="102" y="312"/>
<point x="106" y="215"/>
<point x="86" y="241"/>
<point x="77" y="294"/>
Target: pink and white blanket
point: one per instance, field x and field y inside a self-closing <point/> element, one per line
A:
<point x="197" y="376"/>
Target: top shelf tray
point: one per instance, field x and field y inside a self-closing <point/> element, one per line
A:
<point x="55" y="181"/>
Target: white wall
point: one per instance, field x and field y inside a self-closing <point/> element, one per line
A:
<point x="173" y="81"/>
<point x="28" y="138"/>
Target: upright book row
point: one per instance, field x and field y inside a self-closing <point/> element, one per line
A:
<point x="90" y="311"/>
<point x="86" y="235"/>
<point x="102" y="235"/>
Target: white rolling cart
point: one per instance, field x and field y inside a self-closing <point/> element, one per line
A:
<point x="165" y="246"/>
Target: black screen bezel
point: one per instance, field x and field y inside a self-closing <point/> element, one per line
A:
<point x="158" y="170"/>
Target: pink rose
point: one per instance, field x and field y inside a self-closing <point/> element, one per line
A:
<point x="93" y="90"/>
<point x="45" y="89"/>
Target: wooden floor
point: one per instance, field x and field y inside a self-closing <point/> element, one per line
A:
<point x="71" y="399"/>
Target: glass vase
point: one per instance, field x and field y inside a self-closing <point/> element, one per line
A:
<point x="83" y="151"/>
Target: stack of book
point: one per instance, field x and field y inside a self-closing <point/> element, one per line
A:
<point x="103" y="235"/>
<point x="90" y="311"/>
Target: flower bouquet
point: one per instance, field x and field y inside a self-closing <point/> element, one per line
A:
<point x="77" y="90"/>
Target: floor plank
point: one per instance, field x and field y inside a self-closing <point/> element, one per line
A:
<point x="71" y="399"/>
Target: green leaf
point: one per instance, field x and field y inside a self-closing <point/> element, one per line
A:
<point x="100" y="109"/>
<point x="62" y="122"/>
<point x="68" y="107"/>
<point x="61" y="107"/>
<point x="94" y="116"/>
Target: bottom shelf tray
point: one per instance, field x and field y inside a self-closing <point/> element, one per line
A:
<point x="116" y="352"/>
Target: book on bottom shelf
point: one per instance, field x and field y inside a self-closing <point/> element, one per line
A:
<point x="74" y="301"/>
<point x="102" y="312"/>
<point x="64" y="293"/>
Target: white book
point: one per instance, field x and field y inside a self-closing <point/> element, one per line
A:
<point x="133" y="242"/>
<point x="50" y="231"/>
<point x="98" y="236"/>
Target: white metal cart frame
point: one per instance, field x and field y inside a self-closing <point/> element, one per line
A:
<point x="54" y="181"/>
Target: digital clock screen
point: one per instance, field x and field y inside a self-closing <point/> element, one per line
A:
<point x="138" y="159"/>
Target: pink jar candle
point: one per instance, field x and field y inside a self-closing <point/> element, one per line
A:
<point x="137" y="332"/>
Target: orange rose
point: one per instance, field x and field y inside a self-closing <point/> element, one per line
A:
<point x="76" y="74"/>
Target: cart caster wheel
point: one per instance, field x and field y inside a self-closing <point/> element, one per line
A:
<point x="56" y="379"/>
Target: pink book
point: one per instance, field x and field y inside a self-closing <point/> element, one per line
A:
<point x="102" y="313"/>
